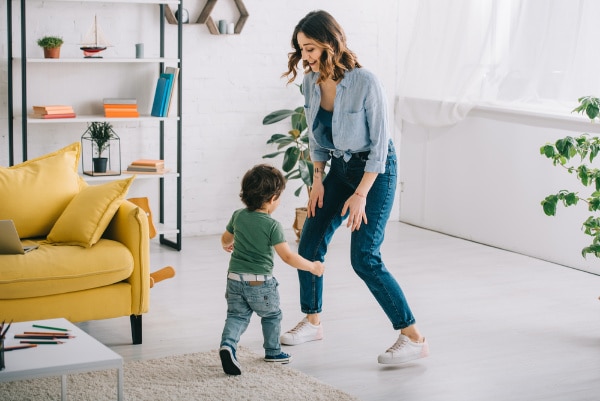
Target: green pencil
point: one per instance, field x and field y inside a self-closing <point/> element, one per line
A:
<point x="49" y="328"/>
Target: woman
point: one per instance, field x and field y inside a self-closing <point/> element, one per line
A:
<point x="347" y="119"/>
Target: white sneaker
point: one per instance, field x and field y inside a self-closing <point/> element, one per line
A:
<point x="303" y="332"/>
<point x="404" y="350"/>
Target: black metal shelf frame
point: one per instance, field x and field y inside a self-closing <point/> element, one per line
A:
<point x="173" y="243"/>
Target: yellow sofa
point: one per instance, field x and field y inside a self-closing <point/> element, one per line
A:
<point x="93" y="258"/>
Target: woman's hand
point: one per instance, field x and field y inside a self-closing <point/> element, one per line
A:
<point x="316" y="197"/>
<point x="356" y="206"/>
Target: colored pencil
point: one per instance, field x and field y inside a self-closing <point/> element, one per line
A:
<point x="5" y="330"/>
<point x="14" y="347"/>
<point x="41" y="342"/>
<point x="49" y="328"/>
<point x="38" y="337"/>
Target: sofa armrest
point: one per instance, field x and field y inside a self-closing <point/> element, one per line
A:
<point x="129" y="226"/>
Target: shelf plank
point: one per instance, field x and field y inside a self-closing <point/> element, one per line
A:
<point x="165" y="230"/>
<point x="111" y="1"/>
<point x="91" y="118"/>
<point x="99" y="60"/>
<point x="103" y="178"/>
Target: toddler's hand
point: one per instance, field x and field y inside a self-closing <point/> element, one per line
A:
<point x="318" y="269"/>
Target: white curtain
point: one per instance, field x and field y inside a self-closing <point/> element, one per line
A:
<point x="540" y="54"/>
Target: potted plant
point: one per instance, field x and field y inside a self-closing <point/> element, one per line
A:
<point x="51" y="46"/>
<point x="293" y="145"/>
<point x="563" y="152"/>
<point x="100" y="133"/>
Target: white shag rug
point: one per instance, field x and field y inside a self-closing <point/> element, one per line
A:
<point x="196" y="376"/>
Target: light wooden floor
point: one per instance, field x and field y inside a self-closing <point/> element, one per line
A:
<point x="501" y="326"/>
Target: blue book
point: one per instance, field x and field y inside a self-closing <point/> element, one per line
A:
<point x="159" y="97"/>
<point x="168" y="88"/>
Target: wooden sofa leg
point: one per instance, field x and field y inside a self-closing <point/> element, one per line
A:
<point x="136" y="328"/>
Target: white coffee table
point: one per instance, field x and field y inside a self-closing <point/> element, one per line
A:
<point x="80" y="354"/>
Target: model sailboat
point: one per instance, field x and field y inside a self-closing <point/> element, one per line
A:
<point x="94" y="41"/>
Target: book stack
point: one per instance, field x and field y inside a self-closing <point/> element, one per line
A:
<point x="163" y="96"/>
<point x="120" y="107"/>
<point x="55" y="111"/>
<point x="150" y="166"/>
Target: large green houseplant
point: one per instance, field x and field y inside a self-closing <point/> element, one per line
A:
<point x="564" y="153"/>
<point x="293" y="145"/>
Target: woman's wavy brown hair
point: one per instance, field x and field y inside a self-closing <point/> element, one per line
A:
<point x="336" y="59"/>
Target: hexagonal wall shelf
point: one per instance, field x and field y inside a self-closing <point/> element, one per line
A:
<point x="205" y="17"/>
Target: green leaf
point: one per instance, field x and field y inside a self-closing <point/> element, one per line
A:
<point x="593" y="204"/>
<point x="283" y="142"/>
<point x="549" y="205"/>
<point x="290" y="159"/>
<point x="582" y="173"/>
<point x="277" y="116"/>
<point x="305" y="172"/>
<point x="276" y="138"/>
<point x="566" y="147"/>
<point x="593" y="152"/>
<point x="299" y="119"/>
<point x="547" y="150"/>
<point x="272" y="155"/>
<point x="571" y="199"/>
<point x="592" y="110"/>
<point x="593" y="249"/>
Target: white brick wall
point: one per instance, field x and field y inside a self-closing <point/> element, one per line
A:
<point x="229" y="84"/>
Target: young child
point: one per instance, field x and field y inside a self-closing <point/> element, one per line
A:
<point x="250" y="236"/>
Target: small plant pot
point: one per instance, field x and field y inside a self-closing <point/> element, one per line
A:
<point x="301" y="213"/>
<point x="51" y="52"/>
<point x="100" y="164"/>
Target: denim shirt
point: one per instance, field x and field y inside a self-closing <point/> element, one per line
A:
<point x="360" y="119"/>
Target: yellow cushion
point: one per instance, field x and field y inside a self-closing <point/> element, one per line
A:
<point x="51" y="270"/>
<point x="86" y="217"/>
<point x="35" y="192"/>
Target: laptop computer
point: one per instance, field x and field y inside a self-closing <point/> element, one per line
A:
<point x="10" y="243"/>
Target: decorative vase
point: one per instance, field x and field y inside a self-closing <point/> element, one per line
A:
<point x="51" y="52"/>
<point x="185" y="16"/>
<point x="100" y="164"/>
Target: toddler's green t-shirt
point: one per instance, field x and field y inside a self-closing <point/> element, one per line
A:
<point x="255" y="234"/>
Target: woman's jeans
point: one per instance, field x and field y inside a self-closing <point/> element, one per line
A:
<point x="242" y="300"/>
<point x="340" y="183"/>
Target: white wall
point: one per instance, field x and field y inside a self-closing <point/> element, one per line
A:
<point x="484" y="178"/>
<point x="230" y="83"/>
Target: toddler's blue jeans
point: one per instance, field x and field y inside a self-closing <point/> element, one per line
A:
<point x="242" y="300"/>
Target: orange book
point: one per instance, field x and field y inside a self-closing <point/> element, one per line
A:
<point x="148" y="162"/>
<point x="49" y="116"/>
<point x="126" y="113"/>
<point x="120" y="106"/>
<point x="52" y="109"/>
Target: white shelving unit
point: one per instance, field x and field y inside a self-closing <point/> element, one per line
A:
<point x="169" y="236"/>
